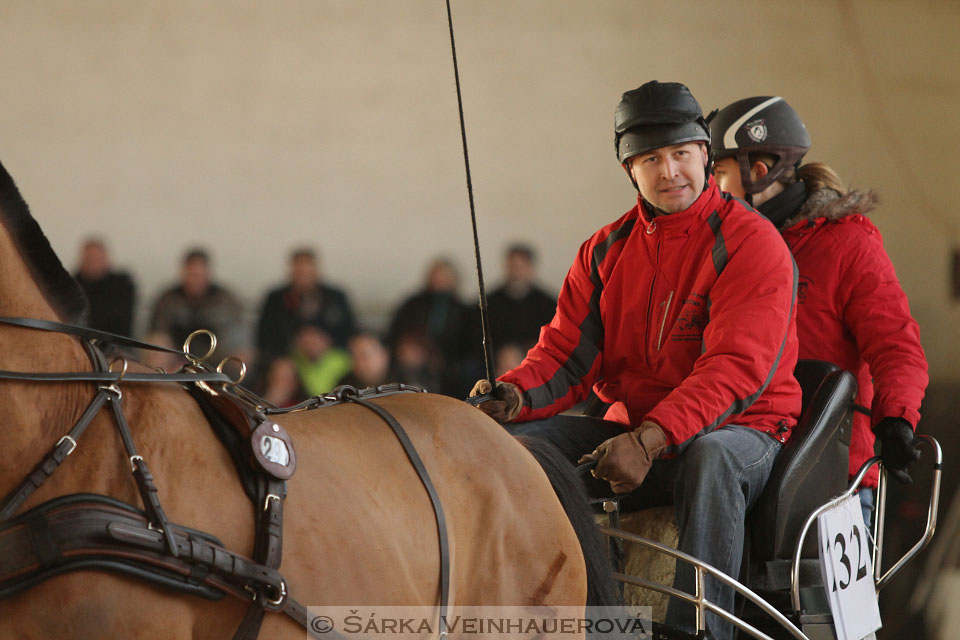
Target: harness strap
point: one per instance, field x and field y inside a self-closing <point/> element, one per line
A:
<point x="228" y="413"/>
<point x="102" y="374"/>
<point x="64" y="447"/>
<point x="340" y="395"/>
<point x="84" y="332"/>
<point x="106" y="377"/>
<point x="267" y="550"/>
<point x="417" y="463"/>
<point x="84" y="531"/>
<point x="142" y="476"/>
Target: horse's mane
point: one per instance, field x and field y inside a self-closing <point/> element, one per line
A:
<point x="58" y="287"/>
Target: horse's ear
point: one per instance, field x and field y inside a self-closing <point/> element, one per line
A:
<point x="58" y="287"/>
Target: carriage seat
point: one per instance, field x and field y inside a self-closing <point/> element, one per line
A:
<point x="809" y="471"/>
<point x="812" y="466"/>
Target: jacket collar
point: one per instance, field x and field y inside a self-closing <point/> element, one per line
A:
<point x="826" y="205"/>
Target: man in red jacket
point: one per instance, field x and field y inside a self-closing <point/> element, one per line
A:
<point x="852" y="311"/>
<point x="683" y="312"/>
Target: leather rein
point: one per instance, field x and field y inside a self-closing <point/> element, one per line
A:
<point x="91" y="531"/>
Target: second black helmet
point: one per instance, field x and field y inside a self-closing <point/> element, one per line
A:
<point x="762" y="124"/>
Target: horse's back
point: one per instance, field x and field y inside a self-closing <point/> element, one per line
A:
<point x="358" y="511"/>
<point x="359" y="528"/>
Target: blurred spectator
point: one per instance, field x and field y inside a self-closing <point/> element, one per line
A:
<point x="199" y="303"/>
<point x="519" y="308"/>
<point x="303" y="301"/>
<point x="506" y="357"/>
<point x="165" y="361"/>
<point x="434" y="315"/>
<point x="283" y="387"/>
<point x="415" y="361"/>
<point x="371" y="362"/>
<point x="111" y="293"/>
<point x="320" y="363"/>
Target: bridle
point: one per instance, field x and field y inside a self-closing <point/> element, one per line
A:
<point x="90" y="531"/>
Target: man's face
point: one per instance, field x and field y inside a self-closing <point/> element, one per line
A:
<point x="441" y="277"/>
<point x="94" y="263"/>
<point x="727" y="173"/>
<point x="370" y="359"/>
<point x="196" y="277"/>
<point x="519" y="268"/>
<point x="303" y="272"/>
<point x="312" y="342"/>
<point x="671" y="178"/>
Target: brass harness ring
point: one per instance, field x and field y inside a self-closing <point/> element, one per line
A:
<point x="243" y="370"/>
<point x="123" y="371"/>
<point x="188" y="342"/>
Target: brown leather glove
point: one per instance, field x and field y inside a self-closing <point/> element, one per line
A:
<point x="507" y="403"/>
<point x="625" y="460"/>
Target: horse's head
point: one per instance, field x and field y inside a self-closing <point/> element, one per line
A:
<point x="28" y="252"/>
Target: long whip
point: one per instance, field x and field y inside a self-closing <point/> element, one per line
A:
<point x="484" y="320"/>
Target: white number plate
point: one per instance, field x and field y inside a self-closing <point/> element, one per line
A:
<point x="848" y="571"/>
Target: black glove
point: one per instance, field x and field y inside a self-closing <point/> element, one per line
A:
<point x="898" y="447"/>
<point x="505" y="403"/>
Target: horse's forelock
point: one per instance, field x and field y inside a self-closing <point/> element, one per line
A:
<point x="58" y="286"/>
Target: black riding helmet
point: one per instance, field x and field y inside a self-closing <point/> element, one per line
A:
<point x="763" y="124"/>
<point x="657" y="114"/>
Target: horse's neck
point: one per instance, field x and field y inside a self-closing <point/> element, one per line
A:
<point x="31" y="413"/>
<point x="19" y="294"/>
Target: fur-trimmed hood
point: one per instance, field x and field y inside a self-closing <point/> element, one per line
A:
<point x="827" y="203"/>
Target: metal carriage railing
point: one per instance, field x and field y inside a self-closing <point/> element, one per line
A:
<point x="787" y="620"/>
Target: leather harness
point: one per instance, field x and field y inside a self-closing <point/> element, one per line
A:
<point x="94" y="532"/>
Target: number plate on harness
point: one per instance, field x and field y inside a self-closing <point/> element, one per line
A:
<point x="845" y="562"/>
<point x="273" y="450"/>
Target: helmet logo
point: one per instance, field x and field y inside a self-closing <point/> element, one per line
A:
<point x="756" y="130"/>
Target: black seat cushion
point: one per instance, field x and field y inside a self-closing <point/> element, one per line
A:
<point x="812" y="467"/>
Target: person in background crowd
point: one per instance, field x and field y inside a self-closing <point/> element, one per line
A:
<point x="683" y="311"/>
<point x="282" y="384"/>
<point x="111" y="293"/>
<point x="506" y="357"/>
<point x="415" y="361"/>
<point x="852" y="311"/>
<point x="436" y="317"/>
<point x="320" y="363"/>
<point x="518" y="308"/>
<point x="371" y="362"/>
<point x="304" y="301"/>
<point x="199" y="303"/>
<point x="161" y="360"/>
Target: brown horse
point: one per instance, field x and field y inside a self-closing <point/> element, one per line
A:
<point x="358" y="525"/>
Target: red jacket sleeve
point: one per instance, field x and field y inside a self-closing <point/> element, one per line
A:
<point x="750" y="335"/>
<point x="560" y="370"/>
<point x="875" y="309"/>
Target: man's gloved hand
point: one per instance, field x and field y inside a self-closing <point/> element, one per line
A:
<point x="625" y="460"/>
<point x="507" y="403"/>
<point x="898" y="448"/>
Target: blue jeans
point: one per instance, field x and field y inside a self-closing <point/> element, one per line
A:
<point x="711" y="484"/>
<point x="867" y="498"/>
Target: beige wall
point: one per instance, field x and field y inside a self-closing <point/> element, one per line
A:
<point x="253" y="126"/>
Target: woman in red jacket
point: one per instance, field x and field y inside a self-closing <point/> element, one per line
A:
<point x="852" y="311"/>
